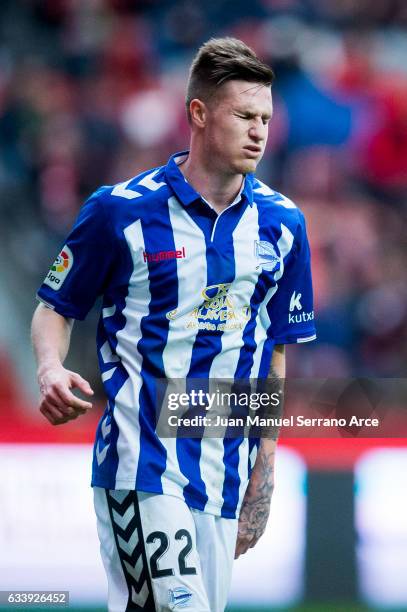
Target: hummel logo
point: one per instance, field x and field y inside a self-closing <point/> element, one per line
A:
<point x="163" y="255"/>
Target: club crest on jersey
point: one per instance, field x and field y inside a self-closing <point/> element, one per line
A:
<point x="59" y="269"/>
<point x="179" y="598"/>
<point x="266" y="253"/>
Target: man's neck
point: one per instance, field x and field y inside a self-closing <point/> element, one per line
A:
<point x="218" y="189"/>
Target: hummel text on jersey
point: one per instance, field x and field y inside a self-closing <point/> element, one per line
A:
<point x="163" y="255"/>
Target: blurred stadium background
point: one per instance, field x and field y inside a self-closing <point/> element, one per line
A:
<point x="91" y="92"/>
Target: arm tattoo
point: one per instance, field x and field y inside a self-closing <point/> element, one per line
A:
<point x="272" y="373"/>
<point x="256" y="505"/>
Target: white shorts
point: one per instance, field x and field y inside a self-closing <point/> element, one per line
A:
<point x="161" y="555"/>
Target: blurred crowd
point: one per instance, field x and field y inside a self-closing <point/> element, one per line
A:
<point x="92" y="92"/>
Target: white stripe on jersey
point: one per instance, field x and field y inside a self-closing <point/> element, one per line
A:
<point x="285" y="244"/>
<point x="121" y="191"/>
<point x="178" y="350"/>
<point x="241" y="290"/>
<point x="108" y="374"/>
<point x="137" y="306"/>
<point x="299" y="340"/>
<point x="106" y="353"/>
<point x="242" y="468"/>
<point x="225" y="363"/>
<point x="149" y="183"/>
<point x="263" y="189"/>
<point x="253" y="456"/>
<point x="267" y="191"/>
<point x="177" y="354"/>
<point x="108" y="311"/>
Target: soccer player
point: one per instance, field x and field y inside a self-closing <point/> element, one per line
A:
<point x="204" y="272"/>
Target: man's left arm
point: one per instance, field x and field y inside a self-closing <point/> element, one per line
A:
<point x="255" y="508"/>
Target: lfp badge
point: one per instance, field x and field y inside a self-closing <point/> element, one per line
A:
<point x="59" y="269"/>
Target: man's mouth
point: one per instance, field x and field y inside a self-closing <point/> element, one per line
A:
<point x="254" y="149"/>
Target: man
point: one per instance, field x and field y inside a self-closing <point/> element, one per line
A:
<point x="204" y="273"/>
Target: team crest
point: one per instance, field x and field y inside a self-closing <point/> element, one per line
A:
<point x="179" y="597"/>
<point x="266" y="253"/>
<point x="59" y="269"/>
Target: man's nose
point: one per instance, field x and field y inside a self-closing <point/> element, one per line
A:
<point x="257" y="130"/>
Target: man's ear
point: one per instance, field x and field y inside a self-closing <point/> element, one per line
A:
<point x="199" y="113"/>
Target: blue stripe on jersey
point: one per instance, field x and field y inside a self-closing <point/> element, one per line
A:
<point x="231" y="459"/>
<point x="266" y="356"/>
<point x="189" y="455"/>
<point x="209" y="344"/>
<point x="246" y="357"/>
<point x="107" y="432"/>
<point x="244" y="366"/>
<point x="230" y="491"/>
<point x="110" y="322"/>
<point x="220" y="270"/>
<point x="104" y="475"/>
<point x="268" y="347"/>
<point x="231" y="483"/>
<point x="154" y="327"/>
<point x="245" y="362"/>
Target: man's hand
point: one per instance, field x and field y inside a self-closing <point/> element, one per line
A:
<point x="252" y="523"/>
<point x="256" y="503"/>
<point x="51" y="334"/>
<point x="58" y="403"/>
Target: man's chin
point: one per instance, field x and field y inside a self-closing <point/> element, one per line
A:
<point x="247" y="166"/>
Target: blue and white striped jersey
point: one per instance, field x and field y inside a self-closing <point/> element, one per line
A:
<point x="186" y="293"/>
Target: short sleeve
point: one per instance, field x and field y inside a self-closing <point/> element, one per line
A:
<point x="81" y="270"/>
<point x="291" y="309"/>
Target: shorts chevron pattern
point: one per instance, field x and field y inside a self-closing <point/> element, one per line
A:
<point x="125" y="517"/>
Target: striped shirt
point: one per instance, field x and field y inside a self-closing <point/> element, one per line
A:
<point x="186" y="294"/>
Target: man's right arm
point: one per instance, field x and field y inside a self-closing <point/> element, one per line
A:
<point x="50" y="333"/>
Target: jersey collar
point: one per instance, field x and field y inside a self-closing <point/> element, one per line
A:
<point x="185" y="193"/>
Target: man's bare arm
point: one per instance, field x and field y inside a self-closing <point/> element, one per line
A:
<point x="256" y="503"/>
<point x="51" y="333"/>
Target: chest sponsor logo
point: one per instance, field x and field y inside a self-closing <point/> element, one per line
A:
<point x="219" y="311"/>
<point x="163" y="255"/>
<point x="295" y="315"/>
<point x="267" y="255"/>
<point x="59" y="269"/>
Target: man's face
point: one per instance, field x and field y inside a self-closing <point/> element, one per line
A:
<point x="236" y="128"/>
